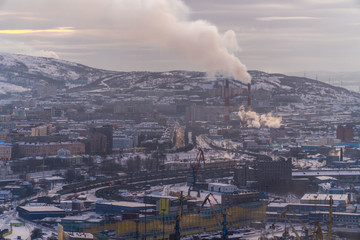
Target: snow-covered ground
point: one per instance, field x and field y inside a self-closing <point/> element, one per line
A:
<point x="308" y="164"/>
<point x="21" y="231"/>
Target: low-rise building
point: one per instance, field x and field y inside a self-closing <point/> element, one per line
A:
<point x="26" y="149"/>
<point x="5" y="195"/>
<point x="5" y="151"/>
<point x="222" y="187"/>
<point x="237" y="198"/>
<point x="338" y="217"/>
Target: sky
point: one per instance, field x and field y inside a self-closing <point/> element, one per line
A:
<point x="202" y="35"/>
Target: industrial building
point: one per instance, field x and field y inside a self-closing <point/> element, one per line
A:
<point x="118" y="208"/>
<point x="40" y="212"/>
<point x="345" y="133"/>
<point x="301" y="211"/>
<point x="301" y="208"/>
<point x="237" y="198"/>
<point x="341" y="199"/>
<point x="169" y="202"/>
<point x="73" y="235"/>
<point x="80" y="222"/>
<point x="221" y="188"/>
<point x="5" y="195"/>
<point x="267" y="175"/>
<point x="338" y="217"/>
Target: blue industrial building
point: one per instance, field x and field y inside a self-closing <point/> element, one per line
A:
<point x="40" y="212"/>
<point x="338" y="217"/>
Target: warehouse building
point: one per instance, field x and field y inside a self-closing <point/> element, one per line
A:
<point x="338" y="217"/>
<point x="40" y="212"/>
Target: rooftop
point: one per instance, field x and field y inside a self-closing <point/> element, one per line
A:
<point x="324" y="197"/>
<point x="221" y="184"/>
<point x="281" y="205"/>
<point x="80" y="235"/>
<point x="42" y="209"/>
<point x="47" y="143"/>
<point x="127" y="204"/>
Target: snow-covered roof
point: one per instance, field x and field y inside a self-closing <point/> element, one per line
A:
<point x="324" y="197"/>
<point x="42" y="209"/>
<point x="127" y="204"/>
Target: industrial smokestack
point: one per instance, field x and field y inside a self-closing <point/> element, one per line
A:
<point x="249" y="96"/>
<point x="227" y="101"/>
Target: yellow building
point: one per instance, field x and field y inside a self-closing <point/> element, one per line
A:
<point x="39" y="131"/>
<point x="5" y="151"/>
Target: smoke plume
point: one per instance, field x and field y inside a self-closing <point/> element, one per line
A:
<point x="165" y="24"/>
<point x="256" y="120"/>
<point x="155" y="24"/>
<point x="23" y="48"/>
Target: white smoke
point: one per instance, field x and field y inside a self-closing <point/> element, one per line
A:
<point x="166" y="24"/>
<point x="23" y="48"/>
<point x="161" y="24"/>
<point x="256" y="120"/>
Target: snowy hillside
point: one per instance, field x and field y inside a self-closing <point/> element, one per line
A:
<point x="20" y="73"/>
<point x="29" y="72"/>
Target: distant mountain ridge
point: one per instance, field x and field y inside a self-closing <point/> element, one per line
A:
<point x="29" y="71"/>
<point x="349" y="80"/>
<point x="19" y="73"/>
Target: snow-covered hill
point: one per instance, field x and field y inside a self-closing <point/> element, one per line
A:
<point x="29" y="72"/>
<point x="20" y="73"/>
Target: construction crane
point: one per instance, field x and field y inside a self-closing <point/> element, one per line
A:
<point x="223" y="224"/>
<point x="318" y="232"/>
<point x="176" y="235"/>
<point x="194" y="167"/>
<point x="306" y="230"/>
<point x="283" y="214"/>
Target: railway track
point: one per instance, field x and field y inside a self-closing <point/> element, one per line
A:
<point x="112" y="192"/>
<point x="141" y="179"/>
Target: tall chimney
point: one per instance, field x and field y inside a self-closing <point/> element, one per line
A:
<point x="227" y="101"/>
<point x="249" y="96"/>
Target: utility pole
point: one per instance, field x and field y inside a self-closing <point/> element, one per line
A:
<point x="163" y="210"/>
<point x="330" y="217"/>
<point x="145" y="203"/>
<point x="137" y="229"/>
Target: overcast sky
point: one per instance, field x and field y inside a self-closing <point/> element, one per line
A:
<point x="273" y="36"/>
